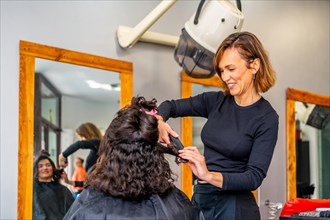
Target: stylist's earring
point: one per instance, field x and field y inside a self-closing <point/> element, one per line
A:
<point x="254" y="76"/>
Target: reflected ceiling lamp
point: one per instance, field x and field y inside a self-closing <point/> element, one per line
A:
<point x="202" y="34"/>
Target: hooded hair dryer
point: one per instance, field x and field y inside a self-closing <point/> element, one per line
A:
<point x="202" y="35"/>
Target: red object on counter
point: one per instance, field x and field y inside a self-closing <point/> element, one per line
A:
<point x="297" y="205"/>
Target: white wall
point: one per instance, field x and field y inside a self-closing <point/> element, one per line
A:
<point x="296" y="34"/>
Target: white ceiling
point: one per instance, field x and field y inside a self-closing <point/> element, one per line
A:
<point x="70" y="80"/>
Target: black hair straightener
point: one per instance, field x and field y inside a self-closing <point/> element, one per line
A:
<point x="173" y="149"/>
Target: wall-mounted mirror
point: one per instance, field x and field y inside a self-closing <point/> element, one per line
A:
<point x="66" y="96"/>
<point x="189" y="127"/>
<point x="34" y="56"/>
<point x="308" y="144"/>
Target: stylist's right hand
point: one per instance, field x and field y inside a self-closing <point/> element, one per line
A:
<point x="164" y="131"/>
<point x="62" y="161"/>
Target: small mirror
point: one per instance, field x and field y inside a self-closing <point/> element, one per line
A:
<point x="308" y="144"/>
<point x="312" y="150"/>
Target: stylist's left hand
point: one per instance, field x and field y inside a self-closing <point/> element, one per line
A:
<point x="196" y="162"/>
<point x="64" y="177"/>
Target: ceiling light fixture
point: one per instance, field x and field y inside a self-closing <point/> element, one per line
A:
<point x="96" y="85"/>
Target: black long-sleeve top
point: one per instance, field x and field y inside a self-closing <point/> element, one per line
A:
<point x="238" y="141"/>
<point x="91" y="144"/>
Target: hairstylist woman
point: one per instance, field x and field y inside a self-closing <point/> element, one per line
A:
<point x="240" y="133"/>
<point x="90" y="137"/>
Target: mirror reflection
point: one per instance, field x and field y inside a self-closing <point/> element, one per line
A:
<point x="308" y="144"/>
<point x="66" y="96"/>
<point x="71" y="102"/>
<point x="50" y="110"/>
<point x="47" y="124"/>
<point x="312" y="150"/>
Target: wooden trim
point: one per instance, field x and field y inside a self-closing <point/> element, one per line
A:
<point x="25" y="142"/>
<point x="28" y="53"/>
<point x="291" y="149"/>
<point x="74" y="57"/>
<point x="292" y="96"/>
<point x="213" y="81"/>
<point x="186" y="134"/>
<point x="126" y="88"/>
<point x="308" y="97"/>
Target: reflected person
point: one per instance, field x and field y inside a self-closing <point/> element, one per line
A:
<point x="78" y="175"/>
<point x="89" y="138"/>
<point x="51" y="199"/>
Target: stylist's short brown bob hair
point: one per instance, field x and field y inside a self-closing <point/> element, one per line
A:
<point x="250" y="48"/>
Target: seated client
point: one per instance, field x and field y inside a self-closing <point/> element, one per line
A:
<point x="132" y="179"/>
<point x="51" y="200"/>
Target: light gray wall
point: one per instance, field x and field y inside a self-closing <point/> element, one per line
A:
<point x="296" y="34"/>
<point x="76" y="111"/>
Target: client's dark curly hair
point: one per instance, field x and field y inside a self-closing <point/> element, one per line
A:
<point x="141" y="103"/>
<point x="130" y="165"/>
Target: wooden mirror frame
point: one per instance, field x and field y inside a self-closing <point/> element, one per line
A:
<point x="292" y="96"/>
<point x="186" y="123"/>
<point x="28" y="53"/>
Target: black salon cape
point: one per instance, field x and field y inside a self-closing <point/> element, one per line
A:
<point x="97" y="205"/>
<point x="50" y="200"/>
